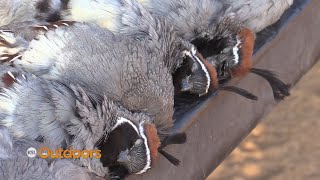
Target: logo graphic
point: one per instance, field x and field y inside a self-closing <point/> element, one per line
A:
<point x="46" y="152"/>
<point x="31" y="152"/>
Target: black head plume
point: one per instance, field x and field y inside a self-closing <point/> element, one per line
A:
<point x="239" y="91"/>
<point x="279" y="88"/>
<point x="176" y="138"/>
<point x="170" y="158"/>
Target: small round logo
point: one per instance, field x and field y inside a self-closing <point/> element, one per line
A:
<point x="31" y="152"/>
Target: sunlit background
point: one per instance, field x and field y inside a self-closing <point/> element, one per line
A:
<point x="286" y="145"/>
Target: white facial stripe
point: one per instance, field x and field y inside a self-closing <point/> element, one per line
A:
<point x="236" y="51"/>
<point x="147" y="149"/>
<point x="193" y="54"/>
<point x="122" y="120"/>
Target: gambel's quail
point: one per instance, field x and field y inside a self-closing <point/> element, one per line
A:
<point x="65" y="116"/>
<point x="195" y="74"/>
<point x="223" y="32"/>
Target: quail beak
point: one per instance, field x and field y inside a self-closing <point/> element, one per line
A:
<point x="123" y="157"/>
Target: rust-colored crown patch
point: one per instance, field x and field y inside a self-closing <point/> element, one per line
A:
<point x="153" y="141"/>
<point x="247" y="39"/>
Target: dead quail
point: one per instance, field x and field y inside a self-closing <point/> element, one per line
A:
<point x="123" y="70"/>
<point x="223" y="32"/>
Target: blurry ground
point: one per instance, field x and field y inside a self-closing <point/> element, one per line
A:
<point x="286" y="145"/>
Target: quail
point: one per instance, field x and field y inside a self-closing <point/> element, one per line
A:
<point x="223" y="32"/>
<point x="10" y="47"/>
<point x="64" y="116"/>
<point x="124" y="71"/>
<point x="215" y="27"/>
<point x="128" y="17"/>
<point x="199" y="80"/>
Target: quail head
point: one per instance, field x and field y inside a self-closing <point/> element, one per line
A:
<point x="230" y="50"/>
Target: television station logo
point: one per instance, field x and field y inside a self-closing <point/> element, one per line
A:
<point x="31" y="152"/>
<point x="45" y="152"/>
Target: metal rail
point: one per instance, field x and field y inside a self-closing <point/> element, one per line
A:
<point x="219" y="123"/>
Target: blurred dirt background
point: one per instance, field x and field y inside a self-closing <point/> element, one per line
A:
<point x="286" y="145"/>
